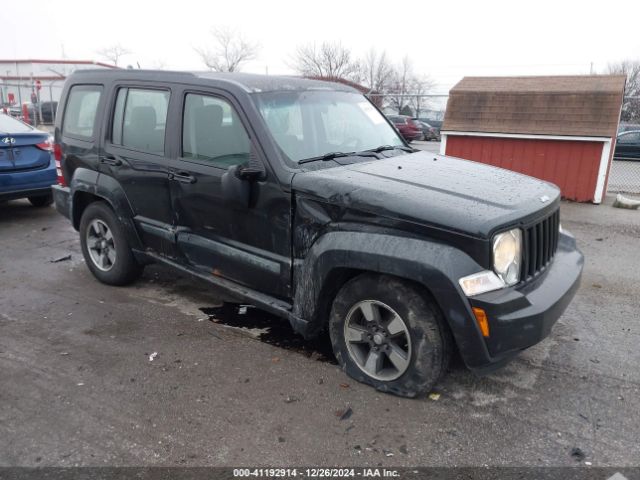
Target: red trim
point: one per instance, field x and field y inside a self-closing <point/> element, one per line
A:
<point x="64" y="62"/>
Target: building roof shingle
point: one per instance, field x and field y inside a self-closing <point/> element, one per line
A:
<point x="581" y="105"/>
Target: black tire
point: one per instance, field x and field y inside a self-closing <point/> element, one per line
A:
<point x="431" y="343"/>
<point x="41" y="200"/>
<point x="124" y="269"/>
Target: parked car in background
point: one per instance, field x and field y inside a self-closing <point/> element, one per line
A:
<point x="626" y="127"/>
<point x="27" y="169"/>
<point x="48" y="110"/>
<point x="407" y="126"/>
<point x="627" y="146"/>
<point x="428" y="132"/>
<point x="399" y="254"/>
<point x="435" y="124"/>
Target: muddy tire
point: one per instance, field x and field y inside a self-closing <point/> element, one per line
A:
<point x="41" y="200"/>
<point x="105" y="248"/>
<point x="388" y="333"/>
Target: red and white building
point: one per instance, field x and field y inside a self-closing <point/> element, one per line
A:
<point x="561" y="129"/>
<point x="20" y="77"/>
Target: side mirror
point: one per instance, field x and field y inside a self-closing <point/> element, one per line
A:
<point x="236" y="184"/>
<point x="249" y="173"/>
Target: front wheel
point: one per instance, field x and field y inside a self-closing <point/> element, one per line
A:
<point x="105" y="248"/>
<point x="385" y="332"/>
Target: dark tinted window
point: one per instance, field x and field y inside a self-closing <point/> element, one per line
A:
<point x="80" y="112"/>
<point x="139" y="119"/>
<point x="212" y="131"/>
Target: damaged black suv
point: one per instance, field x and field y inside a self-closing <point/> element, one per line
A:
<point x="299" y="197"/>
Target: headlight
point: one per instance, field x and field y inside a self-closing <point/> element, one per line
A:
<point x="507" y="255"/>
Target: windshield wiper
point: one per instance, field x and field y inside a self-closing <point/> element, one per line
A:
<point x="363" y="153"/>
<point x="325" y="157"/>
<point x="383" y="148"/>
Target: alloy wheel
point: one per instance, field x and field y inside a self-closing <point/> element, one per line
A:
<point x="378" y="340"/>
<point x="100" y="245"/>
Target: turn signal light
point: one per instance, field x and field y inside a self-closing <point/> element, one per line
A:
<point x="481" y="320"/>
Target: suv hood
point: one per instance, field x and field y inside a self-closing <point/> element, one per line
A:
<point x="430" y="189"/>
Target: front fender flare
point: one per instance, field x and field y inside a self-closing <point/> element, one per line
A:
<point x="436" y="266"/>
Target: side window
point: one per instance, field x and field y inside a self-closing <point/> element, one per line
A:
<point x="80" y="112"/>
<point x="140" y="118"/>
<point x="212" y="131"/>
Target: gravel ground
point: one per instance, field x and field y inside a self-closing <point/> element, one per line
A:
<point x="78" y="386"/>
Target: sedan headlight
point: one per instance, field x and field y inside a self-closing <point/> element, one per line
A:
<point x="507" y="255"/>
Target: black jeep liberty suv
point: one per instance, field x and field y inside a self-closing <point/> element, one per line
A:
<point x="299" y="197"/>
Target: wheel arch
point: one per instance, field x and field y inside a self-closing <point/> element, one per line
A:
<point x="338" y="257"/>
<point x="88" y="186"/>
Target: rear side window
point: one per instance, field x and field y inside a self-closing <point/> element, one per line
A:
<point x="80" y="112"/>
<point x="212" y="132"/>
<point x="140" y="118"/>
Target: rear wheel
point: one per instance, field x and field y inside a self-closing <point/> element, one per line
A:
<point x="105" y="247"/>
<point x="41" y="200"/>
<point x="385" y="332"/>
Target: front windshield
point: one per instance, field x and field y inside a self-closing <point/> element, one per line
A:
<point x="308" y="124"/>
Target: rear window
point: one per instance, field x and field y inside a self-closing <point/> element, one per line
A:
<point x="11" y="125"/>
<point x="80" y="112"/>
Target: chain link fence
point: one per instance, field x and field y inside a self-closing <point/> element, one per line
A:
<point x="33" y="105"/>
<point x="624" y="175"/>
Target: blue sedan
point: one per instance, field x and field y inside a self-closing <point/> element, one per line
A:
<point x="27" y="168"/>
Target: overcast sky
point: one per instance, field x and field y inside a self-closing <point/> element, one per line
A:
<point x="446" y="40"/>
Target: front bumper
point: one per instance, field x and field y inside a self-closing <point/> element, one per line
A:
<point x="522" y="316"/>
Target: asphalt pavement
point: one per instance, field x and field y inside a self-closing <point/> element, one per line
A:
<point x="141" y="375"/>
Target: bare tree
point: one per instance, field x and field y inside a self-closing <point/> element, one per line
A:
<point x="376" y="71"/>
<point x="401" y="86"/>
<point x="420" y="85"/>
<point x="330" y="60"/>
<point x="230" y="52"/>
<point x="113" y="53"/>
<point x="630" y="106"/>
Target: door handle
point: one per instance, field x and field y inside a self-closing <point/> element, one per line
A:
<point x="184" y="177"/>
<point x="111" y="160"/>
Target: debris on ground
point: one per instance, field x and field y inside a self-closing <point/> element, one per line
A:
<point x="291" y="399"/>
<point x="61" y="259"/>
<point x="434" y="396"/>
<point x="64" y="353"/>
<point x="344" y="385"/>
<point x="387" y="453"/>
<point x="358" y="449"/>
<point x="577" y="454"/>
<point x="625" y="202"/>
<point x="152" y="356"/>
<point x="344" y="414"/>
